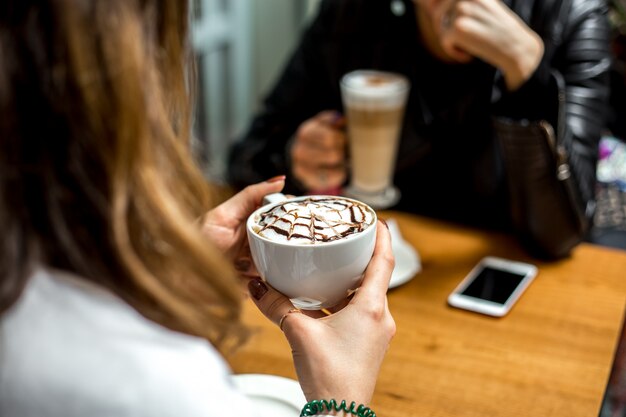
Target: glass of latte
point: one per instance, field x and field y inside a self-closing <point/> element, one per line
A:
<point x="374" y="102"/>
<point x="313" y="249"/>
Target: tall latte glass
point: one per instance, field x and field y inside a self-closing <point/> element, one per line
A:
<point x="374" y="102"/>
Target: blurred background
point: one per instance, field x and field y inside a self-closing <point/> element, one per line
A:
<point x="241" y="47"/>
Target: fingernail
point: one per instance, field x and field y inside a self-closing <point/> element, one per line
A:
<point x="337" y="117"/>
<point x="242" y="265"/>
<point x="277" y="178"/>
<point x="384" y="222"/>
<point x="257" y="288"/>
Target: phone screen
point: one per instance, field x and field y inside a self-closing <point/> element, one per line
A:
<point x="493" y="285"/>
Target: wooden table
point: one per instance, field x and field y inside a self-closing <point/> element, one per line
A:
<point x="551" y="356"/>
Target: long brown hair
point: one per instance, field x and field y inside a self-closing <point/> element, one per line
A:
<point x="96" y="176"/>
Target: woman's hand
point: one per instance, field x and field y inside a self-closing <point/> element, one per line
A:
<point x="339" y="356"/>
<point x="318" y="156"/>
<point x="489" y="30"/>
<point x="225" y="225"/>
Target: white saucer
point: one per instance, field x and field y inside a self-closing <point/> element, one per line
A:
<point x="273" y="396"/>
<point x="407" y="260"/>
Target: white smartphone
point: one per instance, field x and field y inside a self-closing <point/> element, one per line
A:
<point x="493" y="286"/>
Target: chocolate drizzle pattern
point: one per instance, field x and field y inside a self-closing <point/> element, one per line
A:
<point x="314" y="220"/>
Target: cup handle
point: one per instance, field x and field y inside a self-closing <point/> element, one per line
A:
<point x="274" y="198"/>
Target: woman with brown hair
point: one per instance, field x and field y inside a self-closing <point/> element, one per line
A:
<point x="109" y="287"/>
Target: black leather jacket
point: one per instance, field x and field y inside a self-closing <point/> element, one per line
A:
<point x="470" y="150"/>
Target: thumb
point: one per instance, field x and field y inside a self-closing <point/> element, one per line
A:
<point x="331" y="118"/>
<point x="246" y="201"/>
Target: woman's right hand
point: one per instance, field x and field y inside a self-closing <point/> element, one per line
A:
<point x="318" y="154"/>
<point x="339" y="356"/>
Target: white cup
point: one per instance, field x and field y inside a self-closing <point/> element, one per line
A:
<point x="313" y="275"/>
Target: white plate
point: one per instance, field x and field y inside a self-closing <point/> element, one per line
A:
<point x="407" y="260"/>
<point x="273" y="396"/>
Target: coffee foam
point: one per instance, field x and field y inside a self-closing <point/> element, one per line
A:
<point x="314" y="220"/>
<point x="369" y="89"/>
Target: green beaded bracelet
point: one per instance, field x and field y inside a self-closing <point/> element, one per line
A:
<point x="317" y="406"/>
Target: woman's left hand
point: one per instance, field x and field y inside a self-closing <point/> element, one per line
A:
<point x="489" y="30"/>
<point x="225" y="225"/>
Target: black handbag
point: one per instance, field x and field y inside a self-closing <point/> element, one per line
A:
<point x="540" y="181"/>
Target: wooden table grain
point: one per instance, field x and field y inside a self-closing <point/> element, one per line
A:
<point x="550" y="356"/>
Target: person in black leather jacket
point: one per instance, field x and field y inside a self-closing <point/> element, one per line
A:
<point x="506" y="109"/>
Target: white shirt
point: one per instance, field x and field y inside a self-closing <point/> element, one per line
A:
<point x="69" y="348"/>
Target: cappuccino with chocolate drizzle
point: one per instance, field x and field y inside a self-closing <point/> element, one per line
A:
<point x="314" y="220"/>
